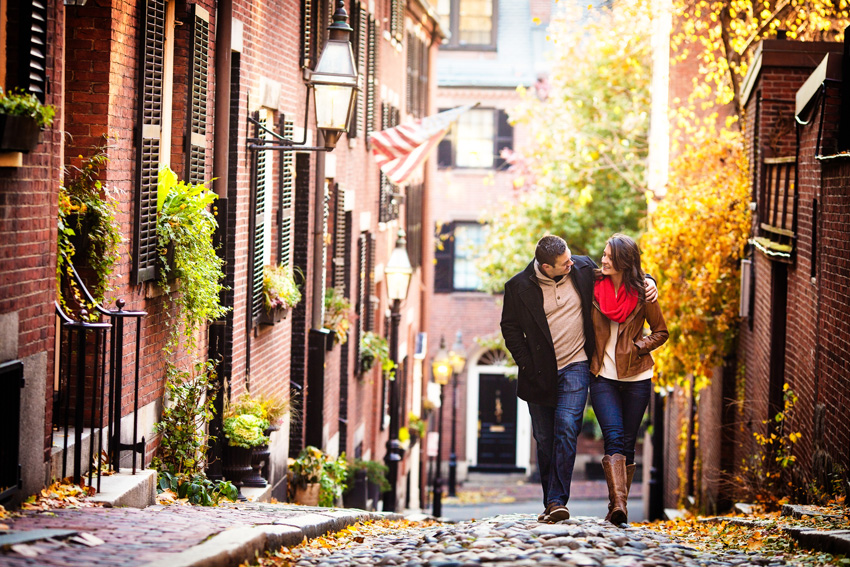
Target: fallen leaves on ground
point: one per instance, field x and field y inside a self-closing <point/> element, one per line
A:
<point x="62" y="494"/>
<point x="761" y="533"/>
<point x="344" y="538"/>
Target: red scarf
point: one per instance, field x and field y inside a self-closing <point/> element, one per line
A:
<point x="616" y="307"/>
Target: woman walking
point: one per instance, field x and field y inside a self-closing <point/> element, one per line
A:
<point x="622" y="366"/>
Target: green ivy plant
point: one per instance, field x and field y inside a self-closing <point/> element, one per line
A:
<point x="20" y="103"/>
<point x="186" y="221"/>
<point x="338" y="314"/>
<point x="87" y="208"/>
<point x="197" y="489"/>
<point x="374" y="349"/>
<point x="183" y="440"/>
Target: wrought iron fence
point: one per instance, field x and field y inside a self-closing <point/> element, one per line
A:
<point x="89" y="387"/>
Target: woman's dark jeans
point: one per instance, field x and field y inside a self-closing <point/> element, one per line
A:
<point x="619" y="408"/>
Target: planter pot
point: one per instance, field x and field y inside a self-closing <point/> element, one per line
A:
<point x="358" y="495"/>
<point x="274" y="316"/>
<point x="307" y="494"/>
<point x="259" y="458"/>
<point x="236" y="464"/>
<point x="163" y="262"/>
<point x="18" y="133"/>
<point x="373" y="492"/>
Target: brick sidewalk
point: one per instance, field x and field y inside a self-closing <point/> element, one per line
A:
<point x="134" y="536"/>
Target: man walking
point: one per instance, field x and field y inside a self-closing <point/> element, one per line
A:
<point x="547" y="326"/>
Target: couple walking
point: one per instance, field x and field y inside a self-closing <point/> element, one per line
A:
<point x="571" y="326"/>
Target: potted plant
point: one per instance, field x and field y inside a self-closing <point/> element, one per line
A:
<point x="374" y="350"/>
<point x="338" y="316"/>
<point x="365" y="482"/>
<point x="280" y="293"/>
<point x="21" y="118"/>
<point x="243" y="433"/>
<point x="317" y="478"/>
<point x="417" y="427"/>
<point x="305" y="472"/>
<point x="271" y="409"/>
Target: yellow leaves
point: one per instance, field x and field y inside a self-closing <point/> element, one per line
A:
<point x="535" y="20"/>
<point x="62" y="494"/>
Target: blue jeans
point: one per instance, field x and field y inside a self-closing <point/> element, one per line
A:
<point x="619" y="408"/>
<point x="556" y="432"/>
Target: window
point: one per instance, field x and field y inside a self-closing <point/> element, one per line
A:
<point x="416" y="93"/>
<point x="459" y="245"/>
<point x="472" y="23"/>
<point x="477" y="140"/>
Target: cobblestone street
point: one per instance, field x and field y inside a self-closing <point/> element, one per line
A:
<point x="519" y="540"/>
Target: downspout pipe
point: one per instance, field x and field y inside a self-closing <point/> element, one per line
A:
<point x="218" y="331"/>
<point x="221" y="146"/>
<point x="318" y="280"/>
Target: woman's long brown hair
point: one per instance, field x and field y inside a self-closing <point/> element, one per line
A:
<point x="625" y="257"/>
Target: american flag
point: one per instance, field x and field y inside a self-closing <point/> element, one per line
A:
<point x="401" y="149"/>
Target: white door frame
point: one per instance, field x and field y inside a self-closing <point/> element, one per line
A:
<point x="523" y="418"/>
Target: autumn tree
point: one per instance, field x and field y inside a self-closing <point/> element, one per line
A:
<point x="583" y="176"/>
<point x="699" y="230"/>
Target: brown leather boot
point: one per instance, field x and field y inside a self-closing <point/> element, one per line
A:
<point x="630" y="474"/>
<point x="615" y="474"/>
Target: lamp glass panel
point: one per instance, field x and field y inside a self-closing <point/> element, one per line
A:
<point x="336" y="59"/>
<point x="333" y="104"/>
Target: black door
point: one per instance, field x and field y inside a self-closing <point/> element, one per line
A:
<point x="497" y="407"/>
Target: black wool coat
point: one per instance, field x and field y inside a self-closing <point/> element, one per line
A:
<point x="527" y="335"/>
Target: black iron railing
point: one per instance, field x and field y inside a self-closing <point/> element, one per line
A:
<point x="88" y="390"/>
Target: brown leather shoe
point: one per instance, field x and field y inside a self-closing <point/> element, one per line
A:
<point x="556" y="512"/>
<point x="543" y="517"/>
<point x="615" y="474"/>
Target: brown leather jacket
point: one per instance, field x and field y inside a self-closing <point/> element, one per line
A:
<point x="632" y="350"/>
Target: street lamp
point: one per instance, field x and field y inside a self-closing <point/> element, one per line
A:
<point x="441" y="366"/>
<point x="457" y="358"/>
<point x="397" y="272"/>
<point x="334" y="84"/>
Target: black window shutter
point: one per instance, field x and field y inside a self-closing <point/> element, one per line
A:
<point x="365" y="283"/>
<point x="504" y="138"/>
<point x="371" y="77"/>
<point x="340" y="237"/>
<point x="308" y="36"/>
<point x="444" y="258"/>
<point x="196" y="134"/>
<point x="259" y="209"/>
<point x="287" y="187"/>
<point x="149" y="127"/>
<point x="34" y="67"/>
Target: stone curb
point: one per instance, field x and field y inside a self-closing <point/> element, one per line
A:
<point x="233" y="547"/>
<point x="836" y="542"/>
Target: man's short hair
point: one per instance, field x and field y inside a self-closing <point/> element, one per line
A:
<point x="549" y="248"/>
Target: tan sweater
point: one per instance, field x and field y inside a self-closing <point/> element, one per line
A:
<point x="562" y="306"/>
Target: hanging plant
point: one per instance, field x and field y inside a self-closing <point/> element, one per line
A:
<point x="338" y="314"/>
<point x="279" y="288"/>
<point x="186" y="221"/>
<point x="374" y="350"/>
<point x="88" y="229"/>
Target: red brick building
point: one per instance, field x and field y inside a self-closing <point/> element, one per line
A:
<point x="794" y="300"/>
<point x="187" y="84"/>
